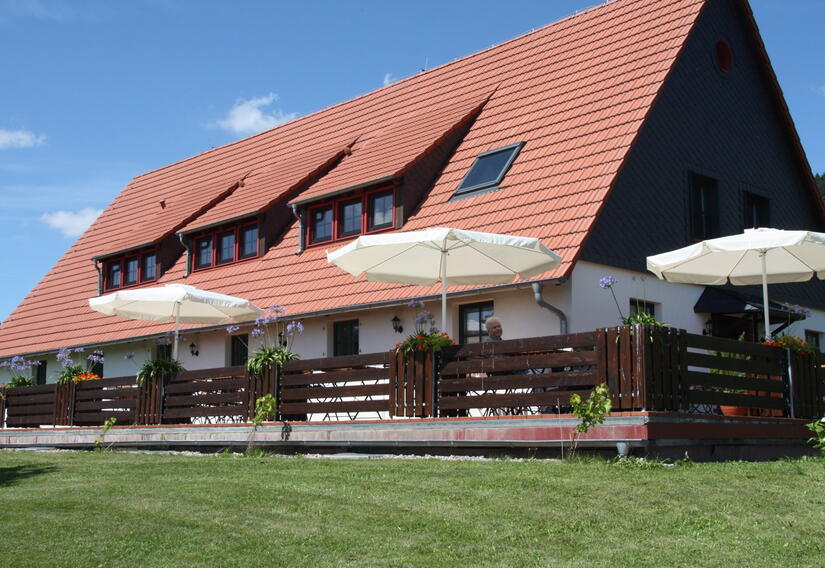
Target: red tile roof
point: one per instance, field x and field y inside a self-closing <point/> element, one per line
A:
<point x="576" y="92"/>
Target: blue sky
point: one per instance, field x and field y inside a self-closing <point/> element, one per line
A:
<point x="94" y="93"/>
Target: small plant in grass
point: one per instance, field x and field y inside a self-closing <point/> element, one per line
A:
<point x="591" y="412"/>
<point x="74" y="371"/>
<point x="818" y="439"/>
<point x="107" y="425"/>
<point x="265" y="408"/>
<point x="155" y="370"/>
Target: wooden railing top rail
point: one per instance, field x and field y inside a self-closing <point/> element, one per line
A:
<point x="523" y="345"/>
<point x="341" y="362"/>
<point x="214" y="373"/>
<point x="695" y="341"/>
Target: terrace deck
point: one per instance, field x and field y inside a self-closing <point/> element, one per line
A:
<point x="649" y="434"/>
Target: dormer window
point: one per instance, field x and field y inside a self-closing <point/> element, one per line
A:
<point x="489" y="169"/>
<point x="130" y="270"/>
<point x="368" y="212"/>
<point x="225" y="245"/>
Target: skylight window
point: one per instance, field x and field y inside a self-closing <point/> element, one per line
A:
<point x="489" y="169"/>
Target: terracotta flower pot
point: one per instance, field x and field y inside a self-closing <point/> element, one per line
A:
<point x="734" y="410"/>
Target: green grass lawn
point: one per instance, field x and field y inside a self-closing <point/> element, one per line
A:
<point x="117" y="509"/>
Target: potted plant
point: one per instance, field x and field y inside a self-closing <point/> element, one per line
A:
<point x="276" y="338"/>
<point x="18" y="366"/>
<point x="73" y="371"/>
<point x="157" y="369"/>
<point x="426" y="337"/>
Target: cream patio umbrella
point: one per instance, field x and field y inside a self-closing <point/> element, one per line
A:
<point x="757" y="256"/>
<point x="451" y="256"/>
<point x="179" y="303"/>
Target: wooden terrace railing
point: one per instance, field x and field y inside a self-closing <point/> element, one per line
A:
<point x="646" y="368"/>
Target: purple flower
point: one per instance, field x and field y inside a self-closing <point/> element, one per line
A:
<point x="4" y="363"/>
<point x="799" y="310"/>
<point x="257" y="332"/>
<point x="421" y="319"/>
<point x="295" y="328"/>
<point x="232" y="329"/>
<point x="415" y="304"/>
<point x="276" y="309"/>
<point x="607" y="282"/>
<point x="165" y="340"/>
<point x="129" y="356"/>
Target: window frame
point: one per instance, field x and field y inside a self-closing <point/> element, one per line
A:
<point x="213" y="235"/>
<point x="515" y="150"/>
<point x="814" y="338"/>
<point x="647" y="307"/>
<point x="357" y="340"/>
<point x="238" y="349"/>
<point x="121" y="261"/>
<point x="336" y="206"/>
<point x="40" y="372"/>
<point x="703" y="207"/>
<point x="753" y="202"/>
<point x="480" y="307"/>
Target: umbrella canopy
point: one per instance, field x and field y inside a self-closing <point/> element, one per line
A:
<point x="757" y="256"/>
<point x="178" y="303"/>
<point x="451" y="256"/>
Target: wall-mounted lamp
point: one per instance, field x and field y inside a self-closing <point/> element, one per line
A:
<point x="708" y="328"/>
<point x="396" y="325"/>
<point x="193" y="349"/>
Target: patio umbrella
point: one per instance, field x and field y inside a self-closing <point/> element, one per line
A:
<point x="175" y="302"/>
<point x="451" y="256"/>
<point x="757" y="256"/>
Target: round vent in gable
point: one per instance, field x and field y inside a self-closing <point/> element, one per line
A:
<point x="724" y="56"/>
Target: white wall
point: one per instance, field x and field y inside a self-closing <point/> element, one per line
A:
<point x="593" y="306"/>
<point x="587" y="306"/>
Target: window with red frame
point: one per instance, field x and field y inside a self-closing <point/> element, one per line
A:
<point x="366" y="213"/>
<point x="225" y="245"/>
<point x="130" y="270"/>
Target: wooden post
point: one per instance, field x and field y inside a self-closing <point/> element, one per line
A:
<point x="64" y="404"/>
<point x="2" y="409"/>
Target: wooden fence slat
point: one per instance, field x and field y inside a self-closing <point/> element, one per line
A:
<point x="626" y="368"/>
<point x="565" y="379"/>
<point x="712" y="380"/>
<point x="210" y="385"/>
<point x="511" y="400"/>
<point x="560" y="359"/>
<point x="237" y="410"/>
<point x="334" y="407"/>
<point x="302" y="378"/>
<point x="530" y="344"/>
<point x="709" y="361"/>
<point x="203" y="399"/>
<point x="331" y="392"/>
<point x="612" y="367"/>
<point x="711" y="397"/>
<point x="341" y="362"/>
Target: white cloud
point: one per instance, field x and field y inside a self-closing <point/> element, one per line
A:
<point x="71" y="223"/>
<point x="389" y="78"/>
<point x="19" y="139"/>
<point x="248" y="117"/>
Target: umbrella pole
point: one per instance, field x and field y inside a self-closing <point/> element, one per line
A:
<point x="443" y="296"/>
<point x="175" y="340"/>
<point x="763" y="254"/>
